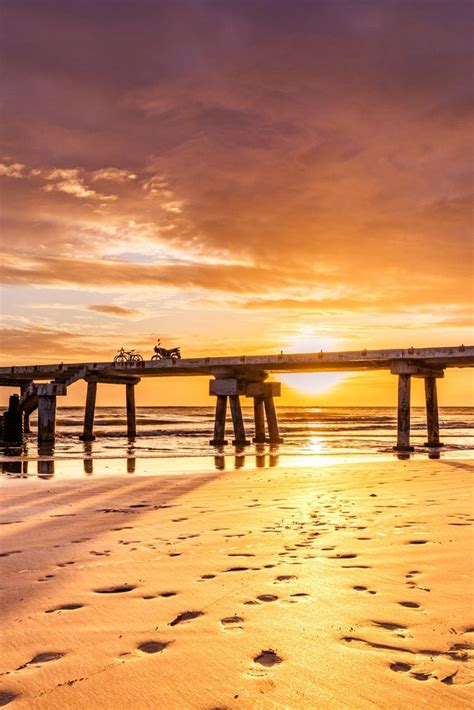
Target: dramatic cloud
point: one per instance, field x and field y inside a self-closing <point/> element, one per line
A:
<point x="278" y="160"/>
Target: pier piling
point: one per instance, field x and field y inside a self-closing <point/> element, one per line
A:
<point x="272" y="422"/>
<point x="88" y="431"/>
<point x="238" y="421"/>
<point x="403" y="417"/>
<point x="219" y="422"/>
<point x="262" y="394"/>
<point x="131" y="413"/>
<point x="259" y="415"/>
<point x="46" y="418"/>
<point x="432" y="416"/>
<point x="26" y="415"/>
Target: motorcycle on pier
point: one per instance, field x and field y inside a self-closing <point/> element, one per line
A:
<point x="163" y="353"/>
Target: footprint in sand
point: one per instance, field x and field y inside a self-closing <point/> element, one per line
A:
<point x="267" y="658"/>
<point x="152" y="646"/>
<point x="186" y="616"/>
<point x="267" y="597"/>
<point x="410" y="605"/>
<point x="232" y="623"/>
<point x="64" y="607"/>
<point x="10" y="552"/>
<point x="343" y="556"/>
<point x="389" y="625"/>
<point x="119" y="589"/>
<point x="240" y="554"/>
<point x="7" y="697"/>
<point x="301" y="596"/>
<point x="400" y="667"/>
<point x="45" y="657"/>
<point x="285" y="578"/>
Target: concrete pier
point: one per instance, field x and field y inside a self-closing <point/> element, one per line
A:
<point x="237" y="377"/>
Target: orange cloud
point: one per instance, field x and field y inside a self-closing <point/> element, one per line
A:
<point x="119" y="311"/>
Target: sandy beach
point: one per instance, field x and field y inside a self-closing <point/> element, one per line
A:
<point x="339" y="587"/>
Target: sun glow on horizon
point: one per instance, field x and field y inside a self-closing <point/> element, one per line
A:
<point x="312" y="383"/>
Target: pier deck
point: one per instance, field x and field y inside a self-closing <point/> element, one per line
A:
<point x="248" y="365"/>
<point x="232" y="378"/>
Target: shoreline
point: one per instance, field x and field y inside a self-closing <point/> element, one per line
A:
<point x="342" y="586"/>
<point x="74" y="467"/>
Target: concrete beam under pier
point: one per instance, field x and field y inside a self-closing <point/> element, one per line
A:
<point x="409" y="368"/>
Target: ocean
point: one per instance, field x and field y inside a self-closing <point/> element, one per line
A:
<point x="176" y="439"/>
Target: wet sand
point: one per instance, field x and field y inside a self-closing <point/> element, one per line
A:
<point x="339" y="587"/>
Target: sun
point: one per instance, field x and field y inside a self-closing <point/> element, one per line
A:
<point x="312" y="383"/>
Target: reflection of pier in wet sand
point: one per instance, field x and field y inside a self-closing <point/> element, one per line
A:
<point x="233" y="378"/>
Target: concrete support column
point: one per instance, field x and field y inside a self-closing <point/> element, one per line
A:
<point x="26" y="416"/>
<point x="88" y="431"/>
<point x="46" y="418"/>
<point x="219" y="422"/>
<point x="131" y="414"/>
<point x="272" y="422"/>
<point x="403" y="419"/>
<point x="432" y="418"/>
<point x="259" y="414"/>
<point x="238" y="421"/>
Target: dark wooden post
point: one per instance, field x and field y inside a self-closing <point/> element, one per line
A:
<point x="88" y="431"/>
<point x="259" y="415"/>
<point x="273" y="433"/>
<point x="46" y="418"/>
<point x="131" y="414"/>
<point x="238" y="421"/>
<point x="403" y="418"/>
<point x="432" y="417"/>
<point x="219" y="422"/>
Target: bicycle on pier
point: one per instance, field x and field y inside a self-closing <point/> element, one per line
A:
<point x="128" y="356"/>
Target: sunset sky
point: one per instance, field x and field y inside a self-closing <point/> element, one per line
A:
<point x="236" y="177"/>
